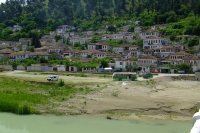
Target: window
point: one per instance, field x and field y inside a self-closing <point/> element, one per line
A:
<point x="120" y="63"/>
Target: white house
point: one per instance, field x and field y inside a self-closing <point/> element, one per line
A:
<point x="16" y="28"/>
<point x="99" y="46"/>
<point x="70" y="53"/>
<point x="123" y="63"/>
<point x="137" y="29"/>
<point x="18" y="56"/>
<point x="154" y="42"/>
<point x="118" y="49"/>
<point x="150" y="33"/>
<point x="164" y="52"/>
<point x="146" y="62"/>
<point x="64" y="29"/>
<point x="74" y="40"/>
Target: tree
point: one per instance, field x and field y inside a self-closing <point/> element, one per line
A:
<point x="43" y="60"/>
<point x="112" y="29"/>
<point x="58" y="37"/>
<point x="183" y="66"/>
<point x="193" y="42"/>
<point x="104" y="63"/>
<point x="35" y="38"/>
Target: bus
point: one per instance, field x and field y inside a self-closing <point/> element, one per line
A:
<point x="124" y="76"/>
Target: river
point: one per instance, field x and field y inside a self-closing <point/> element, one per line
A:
<point x="10" y="123"/>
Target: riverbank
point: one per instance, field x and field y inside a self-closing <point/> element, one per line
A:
<point x="160" y="98"/>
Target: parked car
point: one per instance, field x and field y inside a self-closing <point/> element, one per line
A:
<point x="181" y="71"/>
<point x="53" y="78"/>
<point x="107" y="69"/>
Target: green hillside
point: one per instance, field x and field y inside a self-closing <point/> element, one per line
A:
<point x="94" y="14"/>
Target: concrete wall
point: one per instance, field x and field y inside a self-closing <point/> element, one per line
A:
<point x="34" y="67"/>
<point x="61" y="68"/>
<point x="7" y="67"/>
<point x="73" y="69"/>
<point x="89" y="70"/>
<point x="21" y="67"/>
<point x="197" y="76"/>
<point x="46" y="68"/>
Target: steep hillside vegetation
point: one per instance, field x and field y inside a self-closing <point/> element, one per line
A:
<point x="92" y="14"/>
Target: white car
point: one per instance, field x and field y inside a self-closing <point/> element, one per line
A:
<point x="53" y="78"/>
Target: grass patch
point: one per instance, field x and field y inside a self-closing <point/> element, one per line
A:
<point x="110" y="112"/>
<point x="24" y="97"/>
<point x="138" y="114"/>
<point x="82" y="75"/>
<point x="105" y="76"/>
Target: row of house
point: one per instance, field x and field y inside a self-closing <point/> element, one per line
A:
<point x="156" y="53"/>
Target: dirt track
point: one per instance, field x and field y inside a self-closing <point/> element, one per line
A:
<point x="161" y="98"/>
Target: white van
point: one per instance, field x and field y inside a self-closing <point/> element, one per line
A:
<point x="53" y="78"/>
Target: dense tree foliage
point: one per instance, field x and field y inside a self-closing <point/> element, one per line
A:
<point x="92" y="14"/>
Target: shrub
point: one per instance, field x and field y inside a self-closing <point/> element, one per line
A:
<point x="83" y="75"/>
<point x="61" y="83"/>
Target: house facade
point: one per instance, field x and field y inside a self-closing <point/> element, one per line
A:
<point x="147" y="62"/>
<point x="154" y="42"/>
<point x="164" y="52"/>
<point x="150" y="33"/>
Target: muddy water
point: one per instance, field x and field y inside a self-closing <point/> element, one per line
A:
<point x="10" y="123"/>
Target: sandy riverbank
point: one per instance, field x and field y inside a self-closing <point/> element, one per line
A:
<point x="160" y="98"/>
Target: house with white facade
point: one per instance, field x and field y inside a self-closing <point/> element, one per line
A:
<point x="126" y="47"/>
<point x="99" y="46"/>
<point x="38" y="55"/>
<point x="123" y="63"/>
<point x="147" y="62"/>
<point x="25" y="41"/>
<point x="64" y="29"/>
<point x="106" y="37"/>
<point x="154" y="42"/>
<point x="177" y="58"/>
<point x="70" y="53"/>
<point x="164" y="52"/>
<point x="55" y="50"/>
<point x="118" y="49"/>
<point x="179" y="55"/>
<point x="85" y="53"/>
<point x="116" y="36"/>
<point x="138" y="29"/>
<point x="194" y="61"/>
<point x="150" y="33"/>
<point x="16" y="28"/>
<point x="79" y="40"/>
<point x="132" y="53"/>
<point x="18" y="56"/>
<point x="148" y="52"/>
<point x="47" y="38"/>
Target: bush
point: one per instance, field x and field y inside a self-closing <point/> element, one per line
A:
<point x="83" y="75"/>
<point x="61" y="83"/>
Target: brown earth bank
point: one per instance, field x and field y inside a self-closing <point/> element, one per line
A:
<point x="162" y="97"/>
